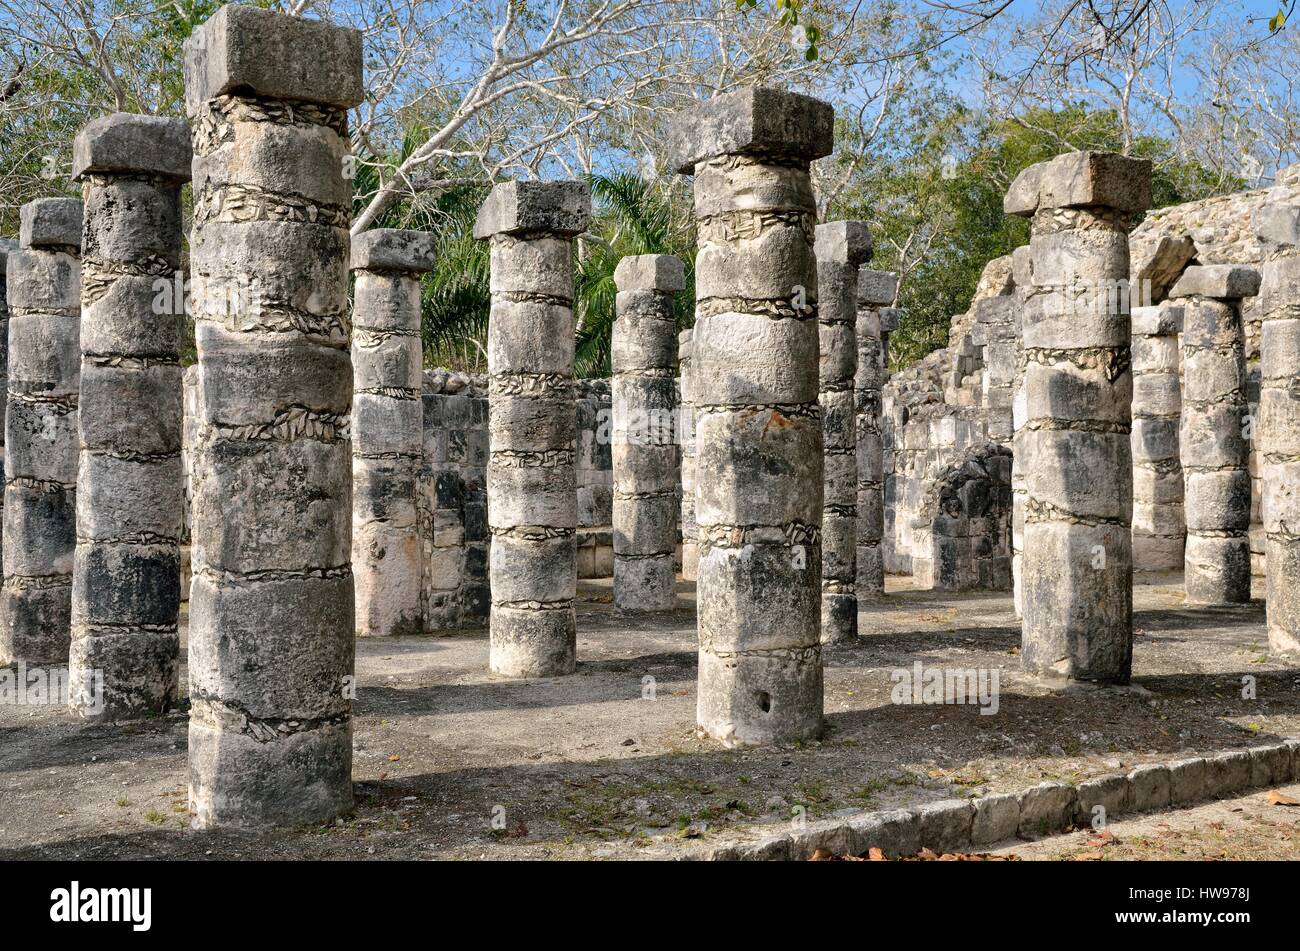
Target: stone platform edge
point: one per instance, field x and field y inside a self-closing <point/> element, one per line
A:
<point x="951" y="825"/>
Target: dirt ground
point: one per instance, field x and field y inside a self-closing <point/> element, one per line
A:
<point x="452" y="763"/>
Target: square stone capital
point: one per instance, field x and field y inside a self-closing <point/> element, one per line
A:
<point x="878" y="288"/>
<point x="249" y="50"/>
<point x="393" y="249"/>
<point x="757" y="120"/>
<point x="1081" y="180"/>
<point x="50" y="223"/>
<point x="561" y="208"/>
<point x="659" y="272"/>
<point x="1220" y="281"/>
<point x="1159" y="320"/>
<point x="127" y="143"/>
<point x="843" y="242"/>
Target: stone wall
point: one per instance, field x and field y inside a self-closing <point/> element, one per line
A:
<point x="952" y="408"/>
<point x="595" y="471"/>
<point x="452" y="502"/>
<point x="1216" y="231"/>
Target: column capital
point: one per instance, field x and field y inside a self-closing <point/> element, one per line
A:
<point x="655" y="272"/>
<point x="247" y="50"/>
<point x="393" y="249"/>
<point x="843" y="242"/>
<point x="124" y="143"/>
<point x="560" y="208"/>
<point x="1081" y="180"/>
<point x="50" y="223"/>
<point x="759" y="121"/>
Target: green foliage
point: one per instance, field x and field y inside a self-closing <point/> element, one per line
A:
<point x="630" y="218"/>
<point x="936" y="209"/>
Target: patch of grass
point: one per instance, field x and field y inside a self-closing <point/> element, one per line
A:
<point x="153" y="815"/>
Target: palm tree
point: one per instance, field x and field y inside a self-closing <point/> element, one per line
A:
<point x="630" y="218"/>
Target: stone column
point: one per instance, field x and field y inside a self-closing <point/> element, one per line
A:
<point x="686" y="439"/>
<point x="126" y="579"/>
<point x="1022" y="270"/>
<point x="7" y="246"/>
<point x="387" y="428"/>
<point x="1278" y="437"/>
<point x="532" y="424"/>
<point x="271" y="602"/>
<point x="757" y="423"/>
<point x="40" y="512"/>
<point x="876" y="289"/>
<point x="1077" y="566"/>
<point x="1212" y="436"/>
<point x="644" y="357"/>
<point x="1159" y="531"/>
<point x="841" y="248"/>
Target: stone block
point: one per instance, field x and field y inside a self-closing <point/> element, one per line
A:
<point x="1220" y="281"/>
<point x="522" y="208"/>
<point x="996" y="818"/>
<point x="876" y="288"/>
<point x="759" y="121"/>
<point x="50" y="223"/>
<point x="393" y="249"/>
<point x="126" y="143"/>
<point x="1046" y="808"/>
<point x="247" y="50"/>
<point x="663" y="272"/>
<point x="844" y="242"/>
<point x="1149" y="787"/>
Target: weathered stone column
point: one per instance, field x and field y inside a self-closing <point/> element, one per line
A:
<point x="7" y="246"/>
<point x="532" y="424"/>
<point x="1278" y="436"/>
<point x="271" y="603"/>
<point x="644" y="357"/>
<point x="876" y="289"/>
<point x="757" y="424"/>
<point x="686" y="440"/>
<point x="1159" y="530"/>
<point x="126" y="576"/>
<point x="1212" y="436"/>
<point x="40" y="512"/>
<point x="841" y="248"/>
<point x="387" y="428"/>
<point x="1077" y="569"/>
<point x="1022" y="270"/>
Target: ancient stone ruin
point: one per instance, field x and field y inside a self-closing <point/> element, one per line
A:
<point x="841" y="248"/>
<point x="758" y="435"/>
<point x="1114" y="399"/>
<point x="531" y="481"/>
<point x="271" y="602"/>
<point x="44" y="294"/>
<point x="643" y="434"/>
<point x="127" y="571"/>
<point x="387" y="428"/>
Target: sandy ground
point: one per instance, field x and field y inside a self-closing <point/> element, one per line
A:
<point x="453" y="763"/>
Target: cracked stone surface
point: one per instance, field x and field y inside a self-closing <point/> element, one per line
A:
<point x="271" y="601"/>
<point x="43" y="281"/>
<point x="532" y="424"/>
<point x="1077" y="562"/>
<point x="758" y="434"/>
<point x="124" y="658"/>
